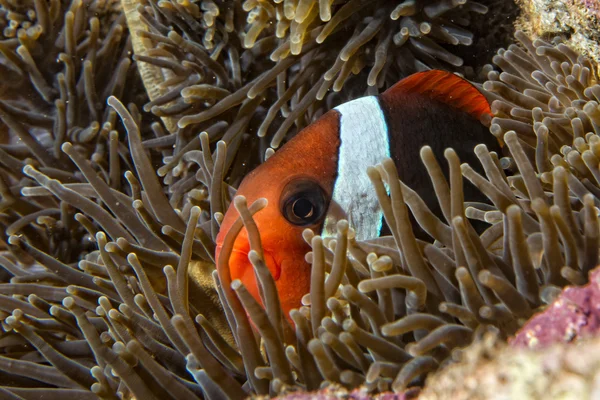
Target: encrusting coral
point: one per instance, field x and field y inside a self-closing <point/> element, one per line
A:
<point x="106" y="283"/>
<point x="577" y="21"/>
<point x="491" y="370"/>
<point x="572" y="317"/>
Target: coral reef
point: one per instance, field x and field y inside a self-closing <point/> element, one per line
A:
<point x="573" y="316"/>
<point x="107" y="281"/>
<point x="577" y="21"/>
<point x="334" y="392"/>
<point x="489" y="370"/>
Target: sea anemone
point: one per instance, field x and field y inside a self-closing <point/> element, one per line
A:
<point x="59" y="61"/>
<point x="63" y="60"/>
<point x="381" y="314"/>
<point x="107" y="280"/>
<point x="267" y="69"/>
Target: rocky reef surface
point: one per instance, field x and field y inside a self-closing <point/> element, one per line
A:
<point x="578" y="21"/>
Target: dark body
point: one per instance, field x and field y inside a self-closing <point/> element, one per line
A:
<point x="415" y="120"/>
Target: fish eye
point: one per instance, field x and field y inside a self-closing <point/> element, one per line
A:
<point x="303" y="208"/>
<point x="303" y="202"/>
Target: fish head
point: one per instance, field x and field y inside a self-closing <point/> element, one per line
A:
<point x="297" y="183"/>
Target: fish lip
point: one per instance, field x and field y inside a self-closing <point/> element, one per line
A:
<point x="266" y="255"/>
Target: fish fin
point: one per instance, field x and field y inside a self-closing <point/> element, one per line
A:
<point x="447" y="88"/>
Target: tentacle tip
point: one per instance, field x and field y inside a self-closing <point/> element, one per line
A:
<point x="510" y="136"/>
<point x="484" y="276"/>
<point x="449" y="152"/>
<point x="66" y="147"/>
<point x="112" y="101"/>
<point x="195" y="212"/>
<point x="349" y="325"/>
<point x="14" y="240"/>
<point x="29" y="170"/>
<point x="236" y="285"/>
<point x="425" y="150"/>
<point x="240" y="201"/>
<point x="168" y="270"/>
<point x="480" y="148"/>
<point x="68" y="302"/>
<point x="12" y="322"/>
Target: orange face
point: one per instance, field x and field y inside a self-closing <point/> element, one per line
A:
<point x="297" y="182"/>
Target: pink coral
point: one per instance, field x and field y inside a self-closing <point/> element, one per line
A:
<point x="575" y="314"/>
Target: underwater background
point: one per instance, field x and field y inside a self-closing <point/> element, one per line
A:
<point x="126" y="127"/>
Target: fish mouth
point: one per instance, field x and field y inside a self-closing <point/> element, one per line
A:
<point x="272" y="265"/>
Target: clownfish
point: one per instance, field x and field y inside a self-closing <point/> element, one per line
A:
<point x="321" y="173"/>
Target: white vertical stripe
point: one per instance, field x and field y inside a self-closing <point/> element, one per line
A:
<point x="364" y="142"/>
